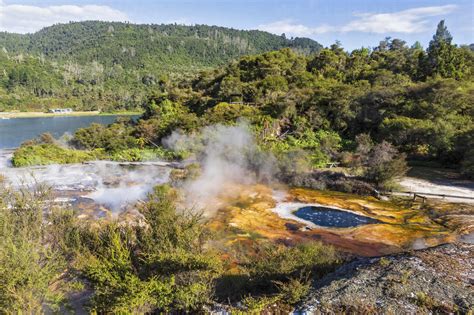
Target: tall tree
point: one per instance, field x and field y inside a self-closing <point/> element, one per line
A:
<point x="442" y="34"/>
<point x="443" y="57"/>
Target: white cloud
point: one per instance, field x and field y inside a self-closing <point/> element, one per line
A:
<point x="28" y="18"/>
<point x="290" y="28"/>
<point x="408" y="21"/>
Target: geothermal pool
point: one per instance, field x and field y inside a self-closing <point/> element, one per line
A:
<point x="329" y="217"/>
<point x="316" y="215"/>
<point x="104" y="188"/>
<point x="113" y="185"/>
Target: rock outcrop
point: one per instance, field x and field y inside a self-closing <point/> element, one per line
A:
<point x="437" y="280"/>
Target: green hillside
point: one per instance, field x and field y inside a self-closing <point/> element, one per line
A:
<point x="105" y="65"/>
<point x="331" y="105"/>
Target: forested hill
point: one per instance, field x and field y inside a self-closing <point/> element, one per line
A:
<point x="110" y="65"/>
<point x="132" y="45"/>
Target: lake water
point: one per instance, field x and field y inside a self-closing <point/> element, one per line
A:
<point x="14" y="131"/>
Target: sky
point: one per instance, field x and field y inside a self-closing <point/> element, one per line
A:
<point x="355" y="23"/>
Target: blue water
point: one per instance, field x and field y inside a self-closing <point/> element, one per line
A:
<point x="329" y="217"/>
<point x="14" y="131"/>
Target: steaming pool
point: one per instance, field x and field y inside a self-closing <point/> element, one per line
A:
<point x="316" y="215"/>
<point x="112" y="185"/>
<point x="328" y="217"/>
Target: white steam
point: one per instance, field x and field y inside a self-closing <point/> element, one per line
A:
<point x="107" y="183"/>
<point x="228" y="156"/>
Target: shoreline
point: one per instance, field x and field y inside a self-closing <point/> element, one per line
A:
<point x="8" y="115"/>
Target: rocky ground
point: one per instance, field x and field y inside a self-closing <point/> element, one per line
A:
<point x="435" y="280"/>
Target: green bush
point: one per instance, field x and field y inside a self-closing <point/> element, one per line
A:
<point x="279" y="271"/>
<point x="294" y="290"/>
<point x="308" y="150"/>
<point x="281" y="261"/>
<point x="30" y="269"/>
<point x="138" y="155"/>
<point x="117" y="285"/>
<point x="115" y="137"/>
<point x="43" y="154"/>
<point x="226" y="113"/>
<point x="157" y="267"/>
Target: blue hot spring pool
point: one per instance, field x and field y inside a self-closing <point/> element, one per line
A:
<point x="329" y="217"/>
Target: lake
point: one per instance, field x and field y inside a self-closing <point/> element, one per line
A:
<point x="14" y="131"/>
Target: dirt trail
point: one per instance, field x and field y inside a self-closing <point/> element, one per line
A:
<point x="445" y="187"/>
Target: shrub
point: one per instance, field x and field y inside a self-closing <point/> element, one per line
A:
<point x="308" y="149"/>
<point x="159" y="266"/>
<point x="385" y="165"/>
<point x="30" y="270"/>
<point x="162" y="117"/>
<point x="115" y="280"/>
<point x="278" y="271"/>
<point x="279" y="261"/>
<point x="294" y="290"/>
<point x="137" y="155"/>
<point x="115" y="137"/>
<point x="225" y="113"/>
<point x="43" y="154"/>
<point x="257" y="305"/>
<point x="322" y="180"/>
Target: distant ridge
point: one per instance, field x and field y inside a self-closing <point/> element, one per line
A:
<point x="96" y="65"/>
<point x="148" y="45"/>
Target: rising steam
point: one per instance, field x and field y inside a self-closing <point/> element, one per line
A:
<point x="107" y="183"/>
<point x="228" y="156"/>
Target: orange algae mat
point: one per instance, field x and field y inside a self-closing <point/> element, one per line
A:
<point x="246" y="215"/>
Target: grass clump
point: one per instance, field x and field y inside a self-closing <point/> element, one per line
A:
<point x="427" y="303"/>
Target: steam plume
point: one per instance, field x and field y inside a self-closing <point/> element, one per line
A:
<point x="228" y="156"/>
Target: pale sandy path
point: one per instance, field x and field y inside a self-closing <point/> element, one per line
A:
<point x="443" y="188"/>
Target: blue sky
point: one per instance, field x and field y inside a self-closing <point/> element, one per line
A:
<point x="355" y="23"/>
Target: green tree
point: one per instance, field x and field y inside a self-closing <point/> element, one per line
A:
<point x="444" y="58"/>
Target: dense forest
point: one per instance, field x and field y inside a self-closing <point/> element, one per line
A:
<point x="357" y="108"/>
<point x="113" y="66"/>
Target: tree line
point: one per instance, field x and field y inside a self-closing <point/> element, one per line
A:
<point x="359" y="108"/>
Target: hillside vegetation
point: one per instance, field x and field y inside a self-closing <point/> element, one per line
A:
<point x="358" y="108"/>
<point x="111" y="65"/>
